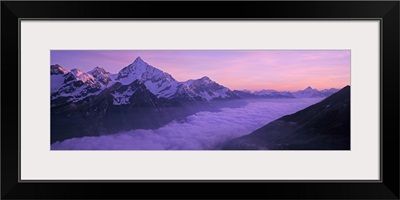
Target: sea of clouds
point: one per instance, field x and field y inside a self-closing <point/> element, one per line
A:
<point x="201" y="131"/>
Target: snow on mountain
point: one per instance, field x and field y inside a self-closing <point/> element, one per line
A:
<point x="205" y="89"/>
<point x="247" y="91"/>
<point x="264" y="92"/>
<point x="71" y="86"/>
<point x="245" y="94"/>
<point x="122" y="98"/>
<point x="163" y="85"/>
<point x="274" y="94"/>
<point x="158" y="82"/>
<point x="102" y="76"/>
<point x="306" y="93"/>
<point x="57" y="70"/>
<point x="84" y="77"/>
<point x="57" y="77"/>
<point x="75" y="85"/>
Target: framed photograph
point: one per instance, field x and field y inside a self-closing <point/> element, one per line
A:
<point x="289" y="96"/>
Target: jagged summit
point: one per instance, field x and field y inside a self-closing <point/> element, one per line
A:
<point x="202" y="80"/>
<point x="98" y="71"/>
<point x="57" y="69"/>
<point x="205" y="79"/>
<point x="76" y="71"/>
<point x="157" y="81"/>
<point x="139" y="62"/>
<point x="309" y="88"/>
<point x="142" y="71"/>
<point x="102" y="76"/>
<point x="138" y="59"/>
<point x="138" y="65"/>
<point x="310" y="92"/>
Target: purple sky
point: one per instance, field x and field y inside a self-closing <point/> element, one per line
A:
<point x="254" y="70"/>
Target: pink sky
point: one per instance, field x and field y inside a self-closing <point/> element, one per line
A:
<point x="284" y="70"/>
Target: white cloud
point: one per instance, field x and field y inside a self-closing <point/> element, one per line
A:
<point x="203" y="130"/>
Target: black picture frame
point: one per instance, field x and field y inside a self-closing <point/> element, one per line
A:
<point x="386" y="11"/>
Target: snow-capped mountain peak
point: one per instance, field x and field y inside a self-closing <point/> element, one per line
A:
<point x="102" y="76"/>
<point x="140" y="70"/>
<point x="139" y="60"/>
<point x="309" y="88"/>
<point x="205" y="79"/>
<point x="245" y="90"/>
<point x="98" y="70"/>
<point x="57" y="69"/>
<point x="206" y="89"/>
<point x="138" y="64"/>
<point x="137" y="67"/>
<point x="76" y="72"/>
<point x="82" y="76"/>
<point x="72" y="86"/>
<point x="158" y="82"/>
<point x="309" y="92"/>
<point x="57" y="77"/>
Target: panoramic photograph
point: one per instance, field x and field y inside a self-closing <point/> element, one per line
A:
<point x="200" y="99"/>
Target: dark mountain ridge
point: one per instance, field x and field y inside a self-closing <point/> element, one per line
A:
<point x="322" y="126"/>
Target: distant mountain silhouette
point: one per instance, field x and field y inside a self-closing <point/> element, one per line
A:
<point x="306" y="93"/>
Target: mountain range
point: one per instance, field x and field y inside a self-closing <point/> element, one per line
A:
<point x="139" y="96"/>
<point x="76" y="85"/>
<point x="306" y="93"/>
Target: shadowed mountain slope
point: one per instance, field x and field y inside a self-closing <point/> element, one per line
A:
<point x="322" y="126"/>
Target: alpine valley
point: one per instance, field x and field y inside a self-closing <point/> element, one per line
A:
<point x="139" y="96"/>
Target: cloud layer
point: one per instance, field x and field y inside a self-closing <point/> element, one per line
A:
<point x="201" y="131"/>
